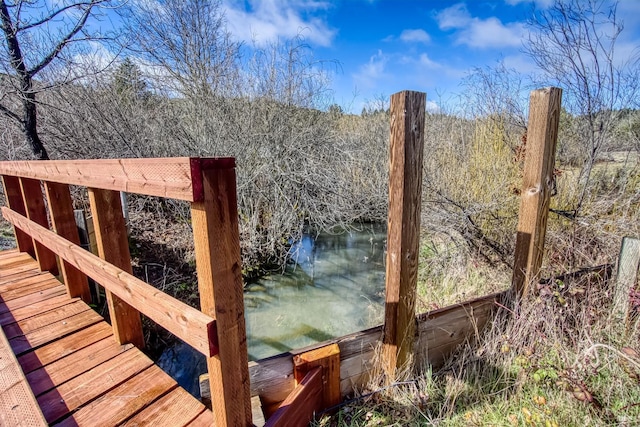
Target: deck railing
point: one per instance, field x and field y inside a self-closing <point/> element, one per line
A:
<point x="218" y="329"/>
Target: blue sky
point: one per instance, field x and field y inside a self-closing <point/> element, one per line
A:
<point x="384" y="46"/>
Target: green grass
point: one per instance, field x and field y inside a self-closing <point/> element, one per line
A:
<point x="552" y="362"/>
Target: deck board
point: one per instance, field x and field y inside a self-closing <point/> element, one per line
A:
<point x="76" y="373"/>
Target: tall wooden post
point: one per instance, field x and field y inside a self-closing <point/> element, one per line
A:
<point x="13" y="193"/>
<point x="405" y="190"/>
<point x="539" y="162"/>
<point x="217" y="247"/>
<point x="64" y="224"/>
<point x="37" y="212"/>
<point x="113" y="246"/>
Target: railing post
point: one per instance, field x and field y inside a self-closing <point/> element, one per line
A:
<point x="113" y="247"/>
<point x="37" y="212"/>
<point x="539" y="163"/>
<point x="217" y="248"/>
<point x="64" y="224"/>
<point x="403" y="232"/>
<point x="13" y="193"/>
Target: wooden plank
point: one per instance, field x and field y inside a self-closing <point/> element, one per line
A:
<point x="23" y="313"/>
<point x="539" y="164"/>
<point x="217" y="248"/>
<point x="18" y="406"/>
<point x="115" y="406"/>
<point x="174" y="409"/>
<point x="74" y="364"/>
<point x="30" y="299"/>
<point x="40" y="283"/>
<point x="60" y="315"/>
<point x="273" y="378"/>
<point x="25" y="269"/>
<point x="328" y="358"/>
<point x="13" y="194"/>
<point x="113" y="247"/>
<point x="23" y="343"/>
<point x="24" y="283"/>
<point x="627" y="275"/>
<point x="176" y="178"/>
<point x="205" y="419"/>
<point x="298" y="409"/>
<point x="15" y="259"/>
<point x="37" y="212"/>
<point x="63" y="222"/>
<point x="403" y="232"/>
<point x="187" y="323"/>
<point x="84" y="388"/>
<point x="63" y="347"/>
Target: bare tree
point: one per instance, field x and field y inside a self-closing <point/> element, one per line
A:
<point x="37" y="35"/>
<point x="573" y="43"/>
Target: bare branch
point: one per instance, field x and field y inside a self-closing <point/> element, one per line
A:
<point x="55" y="13"/>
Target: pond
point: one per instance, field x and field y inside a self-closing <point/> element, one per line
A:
<point x="333" y="286"/>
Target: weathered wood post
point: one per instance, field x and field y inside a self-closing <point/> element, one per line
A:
<point x="627" y="276"/>
<point x="539" y="162"/>
<point x="13" y="193"/>
<point x="64" y="224"/>
<point x="403" y="232"/>
<point x="113" y="247"/>
<point x="37" y="212"/>
<point x="217" y="247"/>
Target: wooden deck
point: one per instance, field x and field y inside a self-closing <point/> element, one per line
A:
<point x="70" y="366"/>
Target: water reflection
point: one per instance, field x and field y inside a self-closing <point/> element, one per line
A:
<point x="334" y="286"/>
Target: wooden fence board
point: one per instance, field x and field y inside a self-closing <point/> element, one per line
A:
<point x="64" y="225"/>
<point x="298" y="408"/>
<point x="13" y="194"/>
<point x="185" y="322"/>
<point x="176" y="178"/>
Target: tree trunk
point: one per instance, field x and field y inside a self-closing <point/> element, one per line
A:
<point x="30" y="128"/>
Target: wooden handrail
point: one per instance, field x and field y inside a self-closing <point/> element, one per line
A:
<point x="190" y="325"/>
<point x="176" y="178"/>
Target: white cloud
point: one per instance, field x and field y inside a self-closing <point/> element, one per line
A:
<point x="543" y="4"/>
<point x="417" y="35"/>
<point x="477" y="32"/>
<point x="267" y="20"/>
<point x="454" y="17"/>
<point x="368" y="74"/>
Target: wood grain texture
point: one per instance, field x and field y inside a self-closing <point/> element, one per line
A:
<point x="539" y="164"/>
<point x="63" y="223"/>
<point x="163" y="412"/>
<point x="63" y="347"/>
<point x="113" y="247"/>
<point x="185" y="322"/>
<point x="44" y="319"/>
<point x="86" y="387"/>
<point x="439" y="333"/>
<point x="115" y="406"/>
<point x="18" y="406"/>
<point x="627" y="275"/>
<point x="168" y="177"/>
<point x="217" y="248"/>
<point x="328" y="358"/>
<point x="37" y="212"/>
<point x="403" y="232"/>
<point x="13" y="194"/>
<point x="298" y="408"/>
<point x="52" y="332"/>
<point x="32" y="298"/>
<point x="74" y="364"/>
